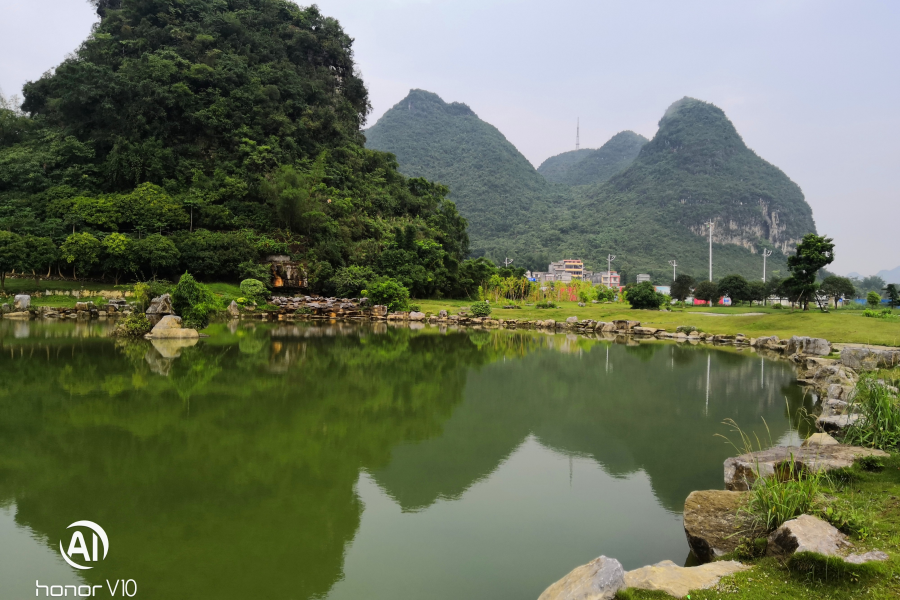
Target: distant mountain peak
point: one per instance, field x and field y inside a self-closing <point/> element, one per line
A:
<point x="584" y="167"/>
<point x="423" y="101"/>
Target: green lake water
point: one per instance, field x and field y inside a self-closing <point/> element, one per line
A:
<point x="361" y="462"/>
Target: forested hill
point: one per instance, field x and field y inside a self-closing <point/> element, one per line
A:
<point x="495" y="188"/>
<point x="695" y="169"/>
<point x="584" y="167"/>
<point x="205" y="134"/>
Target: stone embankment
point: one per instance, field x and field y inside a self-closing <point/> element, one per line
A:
<point x="22" y="308"/>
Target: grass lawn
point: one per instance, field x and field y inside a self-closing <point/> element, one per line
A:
<point x="875" y="496"/>
<point x="843" y="325"/>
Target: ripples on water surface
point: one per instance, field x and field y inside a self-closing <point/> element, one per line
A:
<point x="348" y="462"/>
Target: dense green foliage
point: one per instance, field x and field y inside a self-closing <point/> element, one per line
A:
<point x="644" y="296"/>
<point x="210" y="134"/>
<point x="836" y="287"/>
<point x="584" y="167"/>
<point x="388" y="292"/>
<point x="735" y="287"/>
<point x="133" y="326"/>
<point x="707" y="291"/>
<point x="695" y="169"/>
<point x="254" y="290"/>
<point x="814" y="252"/>
<point x="193" y="302"/>
<point x="480" y="309"/>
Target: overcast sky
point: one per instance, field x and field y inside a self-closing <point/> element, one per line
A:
<point x="812" y="86"/>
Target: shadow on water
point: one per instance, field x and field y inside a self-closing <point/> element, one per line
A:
<point x="232" y="467"/>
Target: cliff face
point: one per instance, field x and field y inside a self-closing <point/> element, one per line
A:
<point x="697" y="168"/>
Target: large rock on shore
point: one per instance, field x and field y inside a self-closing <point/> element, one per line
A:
<point x="600" y="579"/>
<point x="808" y="345"/>
<point x="869" y="359"/>
<point x="677" y="581"/>
<point x="22" y="302"/>
<point x="712" y="524"/>
<point x="169" y="327"/>
<point x="807" y="534"/>
<point x="741" y="471"/>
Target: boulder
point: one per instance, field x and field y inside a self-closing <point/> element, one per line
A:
<point x="645" y="330"/>
<point x="741" y="471"/>
<point x="677" y="581"/>
<point x="836" y="423"/>
<point x="161" y="305"/>
<point x="572" y="320"/>
<point x="820" y="439"/>
<point x="233" y="310"/>
<point x="807" y="534"/>
<point x="22" y="302"/>
<point x="416" y="316"/>
<point x="548" y="323"/>
<point x="379" y="311"/>
<point x="5" y="308"/>
<point x="18" y="315"/>
<point x="442" y="314"/>
<point x="712" y="524"/>
<point x="600" y="579"/>
<point x="808" y="345"/>
<point x="869" y="359"/>
<point x="169" y="327"/>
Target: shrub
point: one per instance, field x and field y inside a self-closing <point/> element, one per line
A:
<point x="873" y="299"/>
<point x="777" y="306"/>
<point x="388" y="292"/>
<point x="545" y="304"/>
<point x="879" y="422"/>
<point x="685" y="329"/>
<point x="254" y="290"/>
<point x="774" y="500"/>
<point x="253" y="270"/>
<point x="415" y="308"/>
<point x="480" y="309"/>
<point x="134" y="325"/>
<point x="193" y="302"/>
<point x="350" y="281"/>
<point x="644" y="296"/>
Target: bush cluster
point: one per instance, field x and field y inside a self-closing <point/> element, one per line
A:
<point x="480" y="309"/>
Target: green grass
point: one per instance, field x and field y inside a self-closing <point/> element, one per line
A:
<point x="847" y="326"/>
<point x="875" y="495"/>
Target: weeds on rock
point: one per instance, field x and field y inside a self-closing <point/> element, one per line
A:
<point x="879" y="422"/>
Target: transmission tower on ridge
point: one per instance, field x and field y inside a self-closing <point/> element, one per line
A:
<point x="577" y="133"/>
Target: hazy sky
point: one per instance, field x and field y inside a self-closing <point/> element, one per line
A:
<point x="812" y="86"/>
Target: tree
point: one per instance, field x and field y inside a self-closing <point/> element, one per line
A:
<point x="158" y="252"/>
<point x="682" y="286"/>
<point x="118" y="254"/>
<point x="40" y="252"/>
<point x="757" y="291"/>
<point x="837" y="287"/>
<point x="708" y="291"/>
<point x="644" y="296"/>
<point x="193" y="302"/>
<point x="813" y="253"/>
<point x="873" y="283"/>
<point x="735" y="287"/>
<point x="350" y="281"/>
<point x="893" y="294"/>
<point x="873" y="299"/>
<point x="82" y="251"/>
<point x="11" y="251"/>
<point x="388" y="292"/>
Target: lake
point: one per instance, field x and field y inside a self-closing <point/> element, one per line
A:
<point x="344" y="461"/>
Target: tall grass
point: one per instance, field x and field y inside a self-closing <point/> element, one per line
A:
<point x="879" y="422"/>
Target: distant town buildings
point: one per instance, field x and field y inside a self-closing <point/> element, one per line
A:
<point x="572" y="269"/>
<point x="642" y="277"/>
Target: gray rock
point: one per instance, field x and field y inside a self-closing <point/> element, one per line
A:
<point x="741" y="471"/>
<point x="808" y="345"/>
<point x="873" y="556"/>
<point x="836" y="423"/>
<point x="161" y="305"/>
<point x="572" y="320"/>
<point x="22" y="302"/>
<point x="600" y="579"/>
<point x="645" y="330"/>
<point x="581" y="304"/>
<point x="416" y="316"/>
<point x="233" y="310"/>
<point x="712" y="524"/>
<point x="677" y="581"/>
<point x="820" y="439"/>
<point x="807" y="534"/>
<point x="442" y="314"/>
<point x="869" y="359"/>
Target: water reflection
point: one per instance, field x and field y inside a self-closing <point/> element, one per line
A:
<point x="248" y="463"/>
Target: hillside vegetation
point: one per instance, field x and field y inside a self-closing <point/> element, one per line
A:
<point x="584" y="167"/>
<point x="205" y="134"/>
<point x="651" y="211"/>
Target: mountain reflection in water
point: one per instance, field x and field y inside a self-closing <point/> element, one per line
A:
<point x="311" y="461"/>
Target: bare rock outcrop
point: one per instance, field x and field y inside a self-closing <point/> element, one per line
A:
<point x="713" y="524"/>
<point x="600" y="579"/>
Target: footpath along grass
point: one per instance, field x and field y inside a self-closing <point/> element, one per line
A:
<point x="844" y="325"/>
<point x="873" y="497"/>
